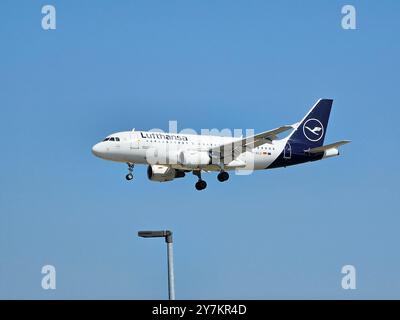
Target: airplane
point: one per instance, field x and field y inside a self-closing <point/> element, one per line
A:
<point x="172" y="155"/>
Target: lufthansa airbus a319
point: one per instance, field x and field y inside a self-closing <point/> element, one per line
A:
<point x="170" y="155"/>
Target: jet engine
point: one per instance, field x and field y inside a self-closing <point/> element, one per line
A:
<point x="163" y="173"/>
<point x="194" y="159"/>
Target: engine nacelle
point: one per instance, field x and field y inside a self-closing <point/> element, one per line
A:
<point x="332" y="152"/>
<point x="194" y="159"/>
<point x="163" y="173"/>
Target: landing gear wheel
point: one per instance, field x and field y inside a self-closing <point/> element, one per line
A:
<point x="129" y="176"/>
<point x="201" y="185"/>
<point x="223" y="176"/>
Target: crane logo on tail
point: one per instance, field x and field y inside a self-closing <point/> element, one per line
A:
<point x="313" y="130"/>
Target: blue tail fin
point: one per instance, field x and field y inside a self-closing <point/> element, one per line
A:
<point x="312" y="129"/>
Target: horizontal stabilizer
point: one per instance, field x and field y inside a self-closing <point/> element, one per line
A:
<point x="328" y="146"/>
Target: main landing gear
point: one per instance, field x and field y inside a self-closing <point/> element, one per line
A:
<point x="223" y="176"/>
<point x="200" y="184"/>
<point x="129" y="176"/>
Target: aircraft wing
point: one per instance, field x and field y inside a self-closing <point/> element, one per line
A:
<point x="235" y="148"/>
<point x="328" y="146"/>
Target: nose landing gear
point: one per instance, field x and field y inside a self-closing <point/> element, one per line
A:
<point x="129" y="176"/>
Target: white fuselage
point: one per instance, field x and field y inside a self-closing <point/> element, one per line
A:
<point x="144" y="147"/>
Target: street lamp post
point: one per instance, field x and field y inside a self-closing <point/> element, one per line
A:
<point x="168" y="239"/>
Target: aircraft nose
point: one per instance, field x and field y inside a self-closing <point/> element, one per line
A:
<point x="97" y="150"/>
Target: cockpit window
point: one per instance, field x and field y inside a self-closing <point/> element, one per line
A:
<point x="111" y="139"/>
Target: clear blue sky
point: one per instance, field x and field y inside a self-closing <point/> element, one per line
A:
<point x="116" y="65"/>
